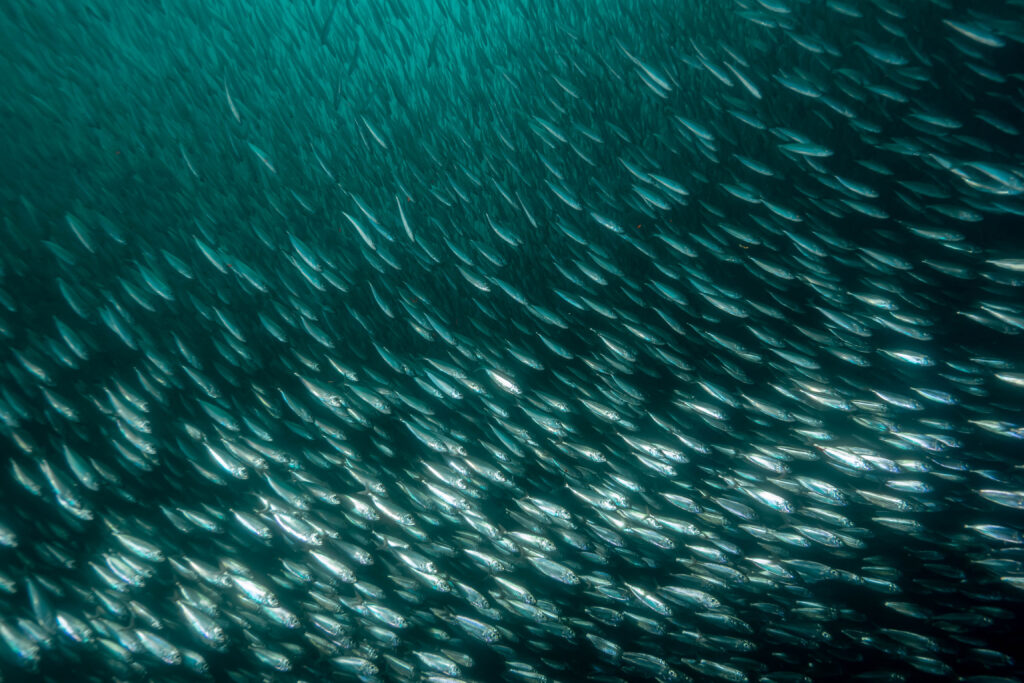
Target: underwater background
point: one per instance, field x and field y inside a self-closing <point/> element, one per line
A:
<point x="438" y="340"/>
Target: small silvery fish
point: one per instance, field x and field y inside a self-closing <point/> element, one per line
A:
<point x="508" y="341"/>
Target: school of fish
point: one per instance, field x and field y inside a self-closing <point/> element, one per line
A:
<point x="529" y="341"/>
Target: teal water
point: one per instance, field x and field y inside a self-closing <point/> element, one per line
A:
<point x="511" y="341"/>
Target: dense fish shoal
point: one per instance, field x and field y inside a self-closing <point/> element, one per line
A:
<point x="511" y="341"/>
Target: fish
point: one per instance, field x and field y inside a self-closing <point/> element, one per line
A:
<point x="474" y="341"/>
